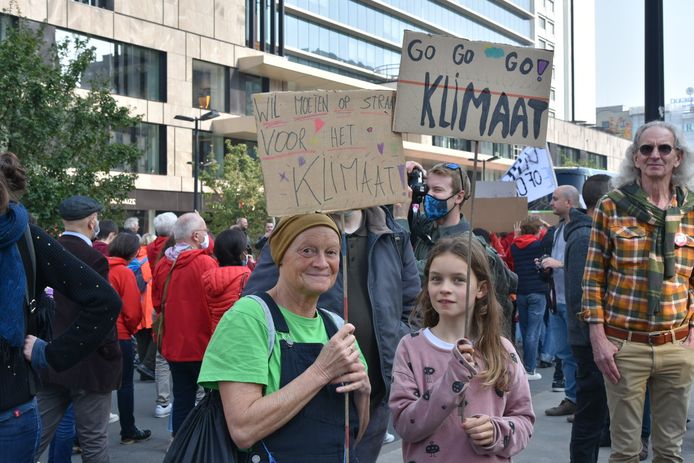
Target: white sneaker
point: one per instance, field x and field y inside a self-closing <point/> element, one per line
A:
<point x="534" y="376"/>
<point x="161" y="411"/>
<point x="388" y="438"/>
<point x="113" y="417"/>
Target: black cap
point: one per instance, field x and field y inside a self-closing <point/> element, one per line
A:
<point x="78" y="207"/>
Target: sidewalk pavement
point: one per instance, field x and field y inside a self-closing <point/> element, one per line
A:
<point x="549" y="444"/>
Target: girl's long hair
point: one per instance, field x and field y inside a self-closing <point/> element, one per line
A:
<point x="485" y="322"/>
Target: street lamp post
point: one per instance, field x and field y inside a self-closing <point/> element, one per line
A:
<point x="196" y="150"/>
<point x="484" y="164"/>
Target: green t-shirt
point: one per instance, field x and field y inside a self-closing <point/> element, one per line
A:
<point x="238" y="350"/>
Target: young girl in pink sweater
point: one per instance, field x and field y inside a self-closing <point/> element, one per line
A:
<point x="459" y="390"/>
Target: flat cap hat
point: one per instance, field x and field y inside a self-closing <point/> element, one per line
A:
<point x="78" y="207"/>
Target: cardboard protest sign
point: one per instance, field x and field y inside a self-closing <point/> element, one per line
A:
<point x="496" y="214"/>
<point x="533" y="174"/>
<point x="473" y="90"/>
<point x="329" y="150"/>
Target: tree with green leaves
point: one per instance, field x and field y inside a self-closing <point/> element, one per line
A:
<point x="235" y="190"/>
<point x="62" y="137"/>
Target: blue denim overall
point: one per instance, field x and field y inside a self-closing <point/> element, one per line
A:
<point x="317" y="433"/>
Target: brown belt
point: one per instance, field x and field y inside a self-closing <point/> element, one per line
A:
<point x="655" y="338"/>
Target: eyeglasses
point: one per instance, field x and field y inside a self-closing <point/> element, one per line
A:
<point x="454" y="166"/>
<point x="663" y="149"/>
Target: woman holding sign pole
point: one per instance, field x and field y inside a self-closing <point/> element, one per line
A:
<point x="282" y="387"/>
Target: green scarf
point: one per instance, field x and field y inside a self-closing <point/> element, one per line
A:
<point x="633" y="201"/>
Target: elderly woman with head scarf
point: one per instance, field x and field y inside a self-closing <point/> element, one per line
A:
<point x="285" y="402"/>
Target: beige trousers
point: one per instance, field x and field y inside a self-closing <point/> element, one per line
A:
<point x="668" y="370"/>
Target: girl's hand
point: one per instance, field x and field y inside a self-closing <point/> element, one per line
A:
<point x="480" y="430"/>
<point x="465" y="354"/>
<point x="466" y="350"/>
<point x="516" y="229"/>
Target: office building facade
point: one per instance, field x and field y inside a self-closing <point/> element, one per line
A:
<point x="185" y="57"/>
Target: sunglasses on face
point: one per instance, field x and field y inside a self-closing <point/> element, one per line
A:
<point x="663" y="149"/>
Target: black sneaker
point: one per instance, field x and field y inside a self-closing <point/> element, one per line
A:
<point x="558" y="385"/>
<point x="138" y="436"/>
<point x="544" y="364"/>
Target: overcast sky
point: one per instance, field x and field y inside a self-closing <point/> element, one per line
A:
<point x="620" y="49"/>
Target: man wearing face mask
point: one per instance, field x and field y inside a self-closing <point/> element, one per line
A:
<point x="179" y="297"/>
<point x="88" y="385"/>
<point x="441" y="212"/>
<point x="441" y="215"/>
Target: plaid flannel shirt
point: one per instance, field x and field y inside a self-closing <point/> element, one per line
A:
<point x="615" y="280"/>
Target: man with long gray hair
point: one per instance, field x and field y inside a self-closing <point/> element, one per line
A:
<point x="637" y="292"/>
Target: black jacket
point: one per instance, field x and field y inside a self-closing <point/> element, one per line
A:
<point x="577" y="236"/>
<point x="57" y="268"/>
<point x="101" y="370"/>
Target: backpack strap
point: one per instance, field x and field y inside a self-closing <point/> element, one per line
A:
<point x="332" y="321"/>
<point x="269" y="306"/>
<point x="276" y="322"/>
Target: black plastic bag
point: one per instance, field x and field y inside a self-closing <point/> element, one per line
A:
<point x="204" y="436"/>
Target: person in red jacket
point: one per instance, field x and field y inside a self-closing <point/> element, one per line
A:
<point x="186" y="330"/>
<point x="121" y="251"/>
<point x="223" y="285"/>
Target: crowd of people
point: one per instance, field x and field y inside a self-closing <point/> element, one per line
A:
<point x="420" y="320"/>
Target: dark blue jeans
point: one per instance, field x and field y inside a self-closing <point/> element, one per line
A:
<point x="185" y="386"/>
<point x="591" y="408"/>
<point x="63" y="439"/>
<point x="126" y="393"/>
<point x="20" y="433"/>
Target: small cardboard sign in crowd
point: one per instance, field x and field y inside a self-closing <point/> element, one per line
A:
<point x="341" y="150"/>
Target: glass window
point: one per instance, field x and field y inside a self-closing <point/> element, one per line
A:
<point x="209" y="86"/>
<point x="107" y="4"/>
<point x="150" y="139"/>
<point x="552" y="94"/>
<point x="597" y="161"/>
<point x="5" y="23"/>
<point x="130" y="70"/>
<point x="242" y="87"/>
<point x="550" y="27"/>
<point x="542" y="22"/>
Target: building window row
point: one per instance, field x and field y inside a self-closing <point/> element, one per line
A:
<point x="501" y="150"/>
<point x="129" y="70"/>
<point x="359" y="16"/>
<point x="312" y="38"/>
<point x="451" y="20"/>
<point x="341" y="71"/>
<point x="545" y="24"/>
<point x="106" y="4"/>
<point x="225" y="89"/>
